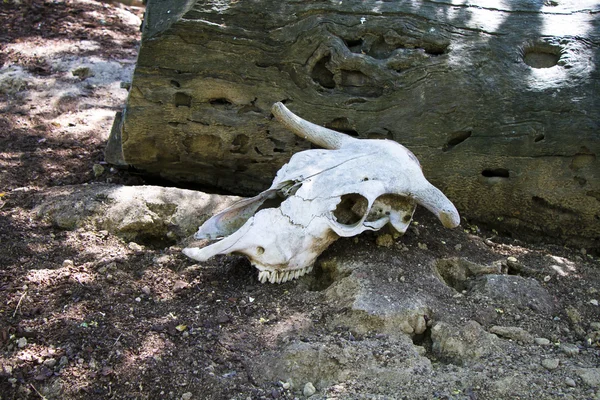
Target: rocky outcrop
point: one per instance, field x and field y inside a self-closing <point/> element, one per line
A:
<point x="141" y="213"/>
<point x="499" y="101"/>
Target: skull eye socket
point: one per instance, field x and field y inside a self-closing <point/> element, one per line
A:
<point x="351" y="209"/>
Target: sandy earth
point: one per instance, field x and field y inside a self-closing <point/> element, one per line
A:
<point x="86" y="314"/>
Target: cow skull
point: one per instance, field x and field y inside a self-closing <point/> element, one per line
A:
<point x="350" y="186"/>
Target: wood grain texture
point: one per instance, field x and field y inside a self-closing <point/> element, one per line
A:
<point x="499" y="100"/>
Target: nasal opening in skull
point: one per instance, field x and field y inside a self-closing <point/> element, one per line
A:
<point x="351" y="209"/>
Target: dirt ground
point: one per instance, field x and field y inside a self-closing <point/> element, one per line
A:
<point x="87" y="315"/>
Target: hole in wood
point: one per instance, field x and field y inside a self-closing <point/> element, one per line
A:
<point x="358" y="84"/>
<point x="322" y="75"/>
<point x="240" y="144"/>
<point x="174" y="83"/>
<point x="455" y="139"/>
<point x="355" y="45"/>
<point x="539" y="138"/>
<point x="221" y="101"/>
<point x="342" y="125"/>
<point x="495" y="173"/>
<point x="183" y="100"/>
<point x="541" y="55"/>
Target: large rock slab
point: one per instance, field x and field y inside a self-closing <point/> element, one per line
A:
<point x="499" y="101"/>
<point x="146" y="213"/>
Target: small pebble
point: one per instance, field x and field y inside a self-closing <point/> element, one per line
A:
<point x="98" y="170"/>
<point x="64" y="360"/>
<point x="594" y="302"/>
<point x="286" y="385"/>
<point x="50" y="362"/>
<point x="22" y="342"/>
<point x="146" y="290"/>
<point x="180" y="285"/>
<point x="512" y="261"/>
<point x="135" y="247"/>
<point x="569" y="349"/>
<point x="542" y="341"/>
<point x="385" y="240"/>
<point x="186" y="396"/>
<point x="68" y="263"/>
<point x="309" y="389"/>
<point x="570" y="382"/>
<point x="550" y="363"/>
<point x="458" y="247"/>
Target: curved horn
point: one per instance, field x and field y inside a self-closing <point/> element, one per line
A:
<point x="323" y="137"/>
<point x="435" y="201"/>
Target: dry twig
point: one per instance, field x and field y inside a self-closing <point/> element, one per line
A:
<point x="41" y="395"/>
<point x="19" y="303"/>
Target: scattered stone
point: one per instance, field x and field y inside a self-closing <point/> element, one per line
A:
<point x="590" y="376"/>
<point x="82" y="72"/>
<point x="422" y="246"/>
<point x="309" y="389"/>
<point x="180" y="285"/>
<point x="574" y="315"/>
<point x="64" y="360"/>
<point x="135" y="247"/>
<point x="50" y="362"/>
<point x="512" y="261"/>
<point x="146" y="290"/>
<point x="130" y="212"/>
<point x="186" y="396"/>
<point x="513" y="332"/>
<point x="461" y="344"/>
<point x="286" y="385"/>
<point x="594" y="302"/>
<point x="526" y="293"/>
<point x="385" y="240"/>
<point x="98" y="170"/>
<point x="22" y="342"/>
<point x="570" y="382"/>
<point x="542" y="341"/>
<point x="68" y="264"/>
<point x="595" y="326"/>
<point x="550" y="363"/>
<point x="569" y="349"/>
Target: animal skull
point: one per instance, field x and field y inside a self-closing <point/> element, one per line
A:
<point x="351" y="186"/>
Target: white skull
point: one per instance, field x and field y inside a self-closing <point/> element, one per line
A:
<point x="352" y="186"/>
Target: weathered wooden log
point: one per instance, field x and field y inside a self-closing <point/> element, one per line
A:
<point x="499" y="100"/>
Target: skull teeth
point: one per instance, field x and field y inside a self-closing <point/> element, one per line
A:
<point x="280" y="276"/>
